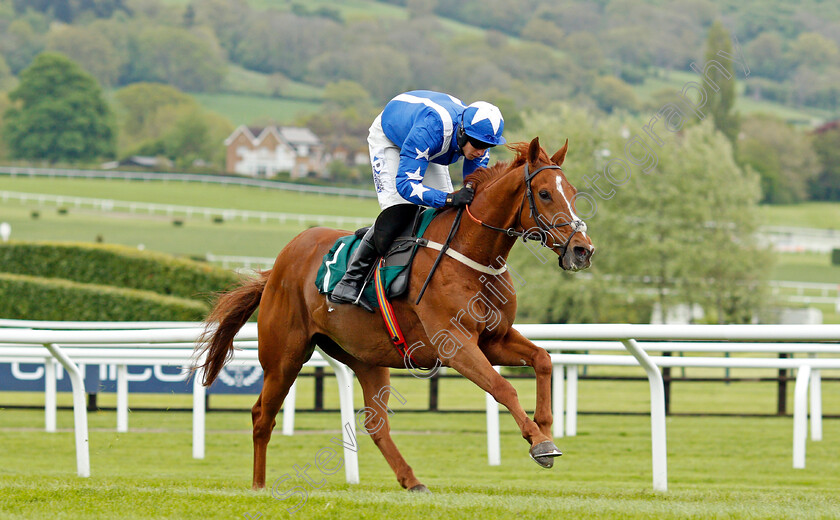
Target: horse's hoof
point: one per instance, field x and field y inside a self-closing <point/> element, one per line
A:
<point x="544" y="453"/>
<point x="419" y="488"/>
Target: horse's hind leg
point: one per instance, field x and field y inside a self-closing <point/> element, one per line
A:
<point x="281" y="366"/>
<point x="375" y="382"/>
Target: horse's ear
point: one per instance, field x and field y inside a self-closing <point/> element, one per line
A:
<point x="534" y="151"/>
<point x="560" y="156"/>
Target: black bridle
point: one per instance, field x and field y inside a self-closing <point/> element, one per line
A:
<point x="544" y="234"/>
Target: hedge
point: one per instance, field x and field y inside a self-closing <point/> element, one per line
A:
<point x="835" y="256"/>
<point x="32" y="298"/>
<point x="114" y="265"/>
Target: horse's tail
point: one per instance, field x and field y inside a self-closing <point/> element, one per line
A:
<point x="231" y="312"/>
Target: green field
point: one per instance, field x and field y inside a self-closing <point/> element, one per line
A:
<point x="196" y="194"/>
<point x="823" y="215"/>
<point x="717" y="467"/>
<point x="806" y="267"/>
<point x="244" y="81"/>
<point x="248" y="109"/>
<point x="196" y="237"/>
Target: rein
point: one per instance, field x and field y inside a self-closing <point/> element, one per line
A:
<point x="543" y="235"/>
<point x="455" y="225"/>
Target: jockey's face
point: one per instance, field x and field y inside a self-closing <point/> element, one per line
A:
<point x="471" y="153"/>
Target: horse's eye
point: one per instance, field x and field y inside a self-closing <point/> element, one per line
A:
<point x="545" y="195"/>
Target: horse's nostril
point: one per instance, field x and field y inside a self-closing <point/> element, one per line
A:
<point x="581" y="252"/>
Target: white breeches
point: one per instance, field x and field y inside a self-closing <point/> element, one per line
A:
<point x="385" y="161"/>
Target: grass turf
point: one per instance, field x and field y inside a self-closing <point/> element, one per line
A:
<point x="718" y="467"/>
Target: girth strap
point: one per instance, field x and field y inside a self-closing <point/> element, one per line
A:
<point x="469" y="262"/>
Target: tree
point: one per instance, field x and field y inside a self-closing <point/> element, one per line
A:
<point x="782" y="157"/>
<point x="7" y="79"/>
<point x="826" y="186"/>
<point x="67" y="10"/>
<point x="584" y="49"/>
<point x="720" y="103"/>
<point x="766" y="56"/>
<point x="284" y="42"/>
<point x="543" y="31"/>
<point x="346" y="94"/>
<point x="381" y="70"/>
<point x="684" y="230"/>
<point x="613" y="94"/>
<point x="813" y="50"/>
<point x="231" y="21"/>
<point x="58" y="114"/>
<point x="145" y="109"/>
<point x="342" y="123"/>
<point x="189" y="60"/>
<point x="20" y="43"/>
<point x="160" y="120"/>
<point x="4" y="104"/>
<point x="420" y="8"/>
<point x="90" y="49"/>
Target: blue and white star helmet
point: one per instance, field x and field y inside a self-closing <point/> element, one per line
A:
<point x="483" y="122"/>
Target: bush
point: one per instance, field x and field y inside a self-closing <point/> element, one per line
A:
<point x="113" y="265"/>
<point x="31" y="298"/>
<point x="835" y="257"/>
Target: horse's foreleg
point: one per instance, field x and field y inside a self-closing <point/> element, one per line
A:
<point x="473" y="364"/>
<point x="515" y="350"/>
<point x="375" y="382"/>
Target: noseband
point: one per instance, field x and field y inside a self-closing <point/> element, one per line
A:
<point x="544" y="234"/>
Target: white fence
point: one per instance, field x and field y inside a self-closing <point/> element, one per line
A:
<point x="183" y="177"/>
<point x="630" y="335"/>
<point x="173" y="346"/>
<point x="241" y="262"/>
<point x="165" y="346"/>
<point x="173" y="210"/>
<point x="807" y="292"/>
<point x="788" y="239"/>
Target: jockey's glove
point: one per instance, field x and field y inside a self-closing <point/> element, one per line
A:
<point x="460" y="198"/>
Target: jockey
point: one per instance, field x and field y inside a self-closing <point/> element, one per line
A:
<point x="412" y="143"/>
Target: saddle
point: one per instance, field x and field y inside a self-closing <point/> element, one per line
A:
<point x="396" y="270"/>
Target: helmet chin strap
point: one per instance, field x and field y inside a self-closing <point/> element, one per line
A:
<point x="461" y="135"/>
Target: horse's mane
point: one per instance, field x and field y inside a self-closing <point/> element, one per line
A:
<point x="483" y="175"/>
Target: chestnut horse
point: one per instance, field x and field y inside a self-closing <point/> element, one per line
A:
<point x="526" y="197"/>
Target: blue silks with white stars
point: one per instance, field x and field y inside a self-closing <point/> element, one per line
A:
<point x="423" y="124"/>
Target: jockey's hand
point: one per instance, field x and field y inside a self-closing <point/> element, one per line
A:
<point x="460" y="198"/>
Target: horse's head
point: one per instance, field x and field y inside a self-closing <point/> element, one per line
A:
<point x="550" y="215"/>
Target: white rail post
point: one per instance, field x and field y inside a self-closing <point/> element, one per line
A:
<point x="557" y="383"/>
<point x="289" y="410"/>
<point x="348" y="419"/>
<point x="659" y="450"/>
<point x="122" y="398"/>
<point x="571" y="399"/>
<point x="79" y="409"/>
<point x="494" y="450"/>
<point x="816" y="406"/>
<point x="199" y="413"/>
<point x="49" y="395"/>
<point x="800" y="415"/>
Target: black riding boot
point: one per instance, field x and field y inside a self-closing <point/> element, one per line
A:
<point x="350" y="287"/>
